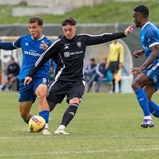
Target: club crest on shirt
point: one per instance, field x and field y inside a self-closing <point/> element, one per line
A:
<point x="26" y="44"/>
<point x="79" y="44"/>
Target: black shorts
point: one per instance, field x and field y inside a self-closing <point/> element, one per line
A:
<point x="59" y="89"/>
<point x="114" y="67"/>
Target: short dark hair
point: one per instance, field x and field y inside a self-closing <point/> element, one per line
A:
<point x="69" y="21"/>
<point x="92" y="59"/>
<point x="143" y="10"/>
<point x="36" y="19"/>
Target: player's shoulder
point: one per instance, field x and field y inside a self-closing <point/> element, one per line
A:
<point x="83" y="35"/>
<point x="151" y="29"/>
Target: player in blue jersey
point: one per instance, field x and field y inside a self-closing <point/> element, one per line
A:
<point x="32" y="46"/>
<point x="147" y="80"/>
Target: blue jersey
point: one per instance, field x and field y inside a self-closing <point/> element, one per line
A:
<point x="149" y="36"/>
<point x="31" y="50"/>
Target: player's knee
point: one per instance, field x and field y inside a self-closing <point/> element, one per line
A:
<point x="135" y="85"/>
<point x="74" y="100"/>
<point x="41" y="95"/>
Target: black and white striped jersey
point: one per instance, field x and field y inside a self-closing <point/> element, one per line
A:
<point x="69" y="54"/>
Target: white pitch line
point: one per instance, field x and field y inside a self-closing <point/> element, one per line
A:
<point x="81" y="152"/>
<point x="40" y="137"/>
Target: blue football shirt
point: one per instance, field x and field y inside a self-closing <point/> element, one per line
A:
<point x="149" y="36"/>
<point x="31" y="51"/>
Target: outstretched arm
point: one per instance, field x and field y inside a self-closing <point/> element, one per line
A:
<point x="7" y="46"/>
<point x="106" y="37"/>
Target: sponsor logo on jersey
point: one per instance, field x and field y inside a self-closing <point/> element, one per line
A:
<point x="66" y="54"/>
<point x="31" y="52"/>
<point x="79" y="44"/>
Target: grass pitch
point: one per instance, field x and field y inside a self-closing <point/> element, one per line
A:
<point x="106" y="126"/>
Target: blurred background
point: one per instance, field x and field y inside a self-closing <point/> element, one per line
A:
<point x="93" y="17"/>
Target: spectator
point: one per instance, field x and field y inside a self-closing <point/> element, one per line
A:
<point x="12" y="73"/>
<point x="90" y="70"/>
<point x="115" y="61"/>
<point x="100" y="72"/>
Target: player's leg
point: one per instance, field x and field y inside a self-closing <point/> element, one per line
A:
<point x="154" y="108"/>
<point x="140" y="81"/>
<point x="43" y="107"/>
<point x="112" y="68"/>
<point x="90" y="82"/>
<point x="74" y="97"/>
<point x="26" y="99"/>
<point x="24" y="109"/>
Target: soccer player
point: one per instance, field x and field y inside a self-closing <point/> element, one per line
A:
<point x="32" y="45"/>
<point x="69" y="52"/>
<point x="147" y="80"/>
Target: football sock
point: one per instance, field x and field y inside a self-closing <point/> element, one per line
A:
<point x="154" y="109"/>
<point x="45" y="115"/>
<point x="69" y="114"/>
<point x="143" y="101"/>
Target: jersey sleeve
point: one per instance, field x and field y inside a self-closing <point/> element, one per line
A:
<point x="17" y="43"/>
<point x="48" y="54"/>
<point x="7" y="46"/>
<point x="102" y="38"/>
<point x="151" y="37"/>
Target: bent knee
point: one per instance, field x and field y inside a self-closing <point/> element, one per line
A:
<point x="74" y="100"/>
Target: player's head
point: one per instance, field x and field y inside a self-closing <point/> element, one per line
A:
<point x="35" y="27"/>
<point x="140" y="14"/>
<point x="69" y="27"/>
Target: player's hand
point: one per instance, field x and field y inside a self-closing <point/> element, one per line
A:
<point x="27" y="80"/>
<point x="44" y="46"/>
<point x="138" y="53"/>
<point x="128" y="30"/>
<point x="136" y="70"/>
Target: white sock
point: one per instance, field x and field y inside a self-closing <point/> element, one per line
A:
<point x="61" y="127"/>
<point x="148" y="117"/>
<point x="46" y="126"/>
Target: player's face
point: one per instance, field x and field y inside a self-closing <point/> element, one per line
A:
<point x="69" y="31"/>
<point x="137" y="19"/>
<point x="35" y="30"/>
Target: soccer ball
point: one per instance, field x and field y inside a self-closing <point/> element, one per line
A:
<point x="36" y="123"/>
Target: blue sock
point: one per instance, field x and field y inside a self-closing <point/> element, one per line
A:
<point x="45" y="115"/>
<point x="154" y="109"/>
<point x="143" y="101"/>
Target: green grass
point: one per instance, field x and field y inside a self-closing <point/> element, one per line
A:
<point x="111" y="12"/>
<point x="107" y="126"/>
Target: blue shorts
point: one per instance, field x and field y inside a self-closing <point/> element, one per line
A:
<point x="27" y="92"/>
<point x="153" y="73"/>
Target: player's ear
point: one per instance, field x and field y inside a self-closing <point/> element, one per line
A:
<point x="75" y="27"/>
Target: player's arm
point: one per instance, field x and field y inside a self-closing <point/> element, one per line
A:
<point x="138" y="53"/>
<point x="106" y="37"/>
<point x="154" y="54"/>
<point x="152" y="57"/>
<point x="7" y="46"/>
<point x="11" y="45"/>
